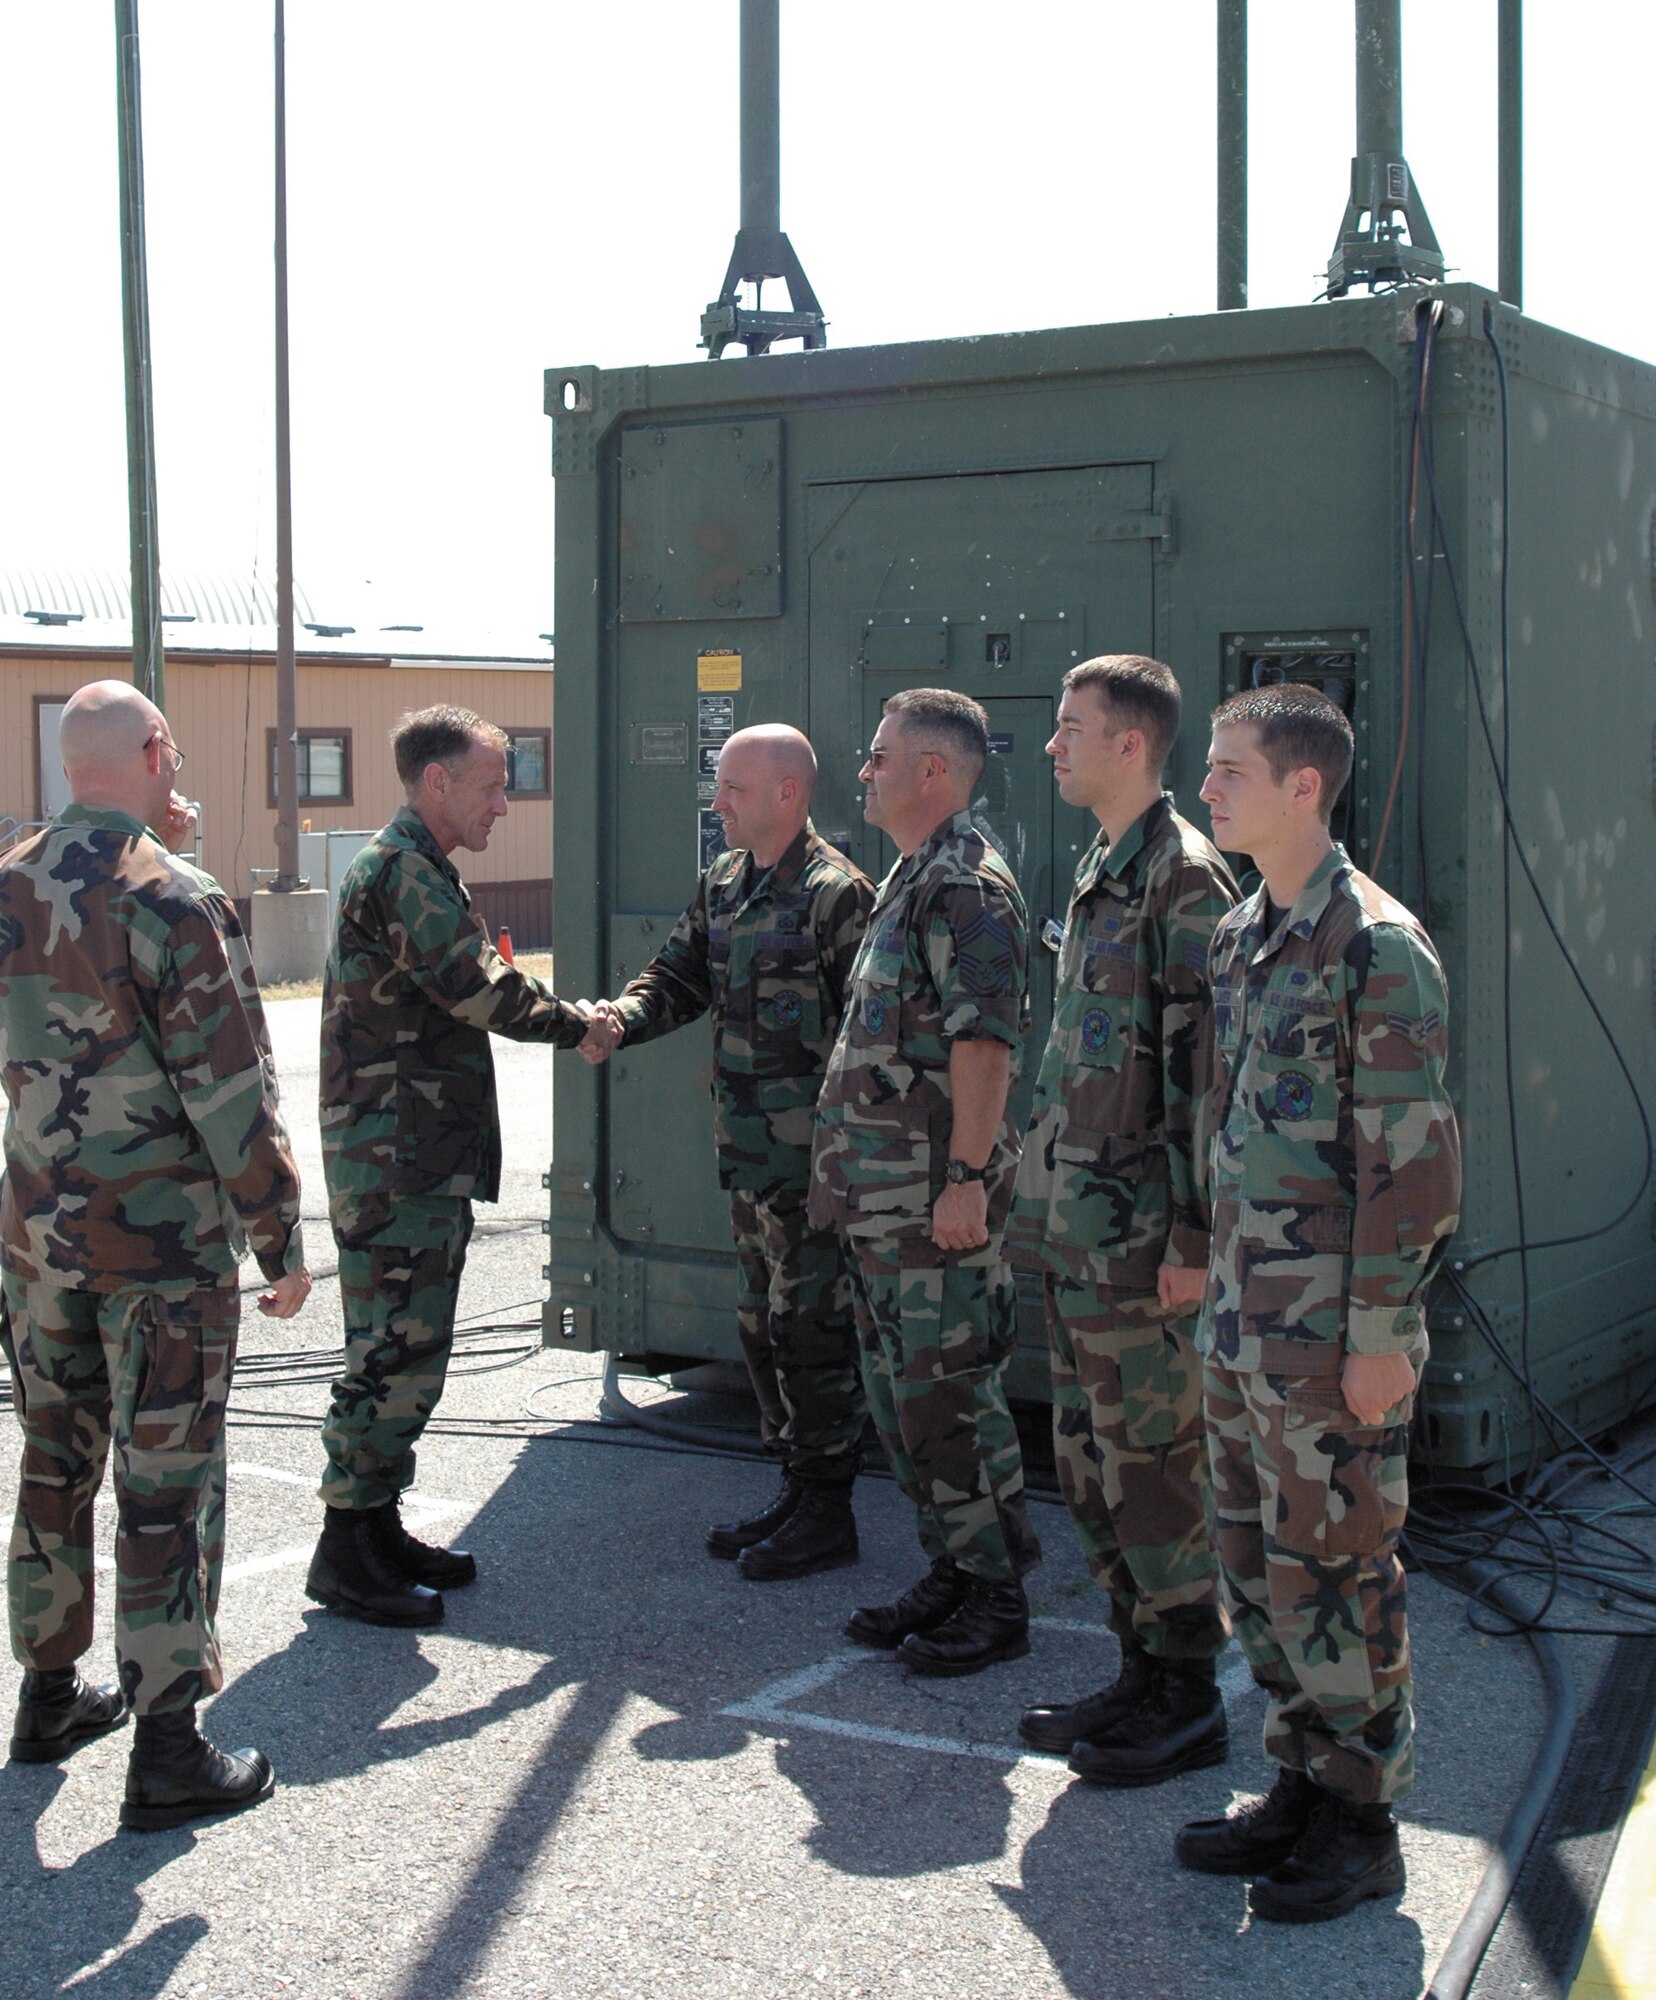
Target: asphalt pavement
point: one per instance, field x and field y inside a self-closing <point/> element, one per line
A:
<point x="620" y="1769"/>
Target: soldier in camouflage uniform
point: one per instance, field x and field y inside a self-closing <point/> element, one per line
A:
<point x="914" y="1161"/>
<point x="1110" y="1212"/>
<point x="1335" y="1184"/>
<point x="410" y="1136"/>
<point x="767" y="944"/>
<point x="144" y="1151"/>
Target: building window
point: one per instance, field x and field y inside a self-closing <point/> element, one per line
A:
<point x="528" y="756"/>
<point x="324" y="766"/>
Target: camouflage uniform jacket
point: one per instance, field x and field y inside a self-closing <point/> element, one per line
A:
<point x="1336" y="1159"/>
<point x="769" y="951"/>
<point x="144" y="1141"/>
<point x="945" y="959"/>
<point x="414" y="989"/>
<point x="1109" y="1188"/>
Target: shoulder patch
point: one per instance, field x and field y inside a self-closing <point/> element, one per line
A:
<point x="1421" y="1031"/>
<point x="985" y="953"/>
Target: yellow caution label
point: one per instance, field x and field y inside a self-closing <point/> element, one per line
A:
<point x="718" y="673"/>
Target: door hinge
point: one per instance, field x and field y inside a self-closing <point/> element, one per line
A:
<point x="1151" y="524"/>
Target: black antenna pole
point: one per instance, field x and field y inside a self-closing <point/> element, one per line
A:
<point x="1385" y="237"/>
<point x="149" y="670"/>
<point x="1511" y="146"/>
<point x="1233" y="155"/>
<point x="287" y="705"/>
<point x="762" y="250"/>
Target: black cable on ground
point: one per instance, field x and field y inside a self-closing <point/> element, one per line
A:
<point x="621" y="1412"/>
<point x="615" y="1407"/>
<point x="1458" y="1966"/>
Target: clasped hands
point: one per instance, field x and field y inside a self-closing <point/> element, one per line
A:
<point x="605" y="1028"/>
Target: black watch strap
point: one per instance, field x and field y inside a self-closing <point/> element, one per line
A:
<point x="958" y="1171"/>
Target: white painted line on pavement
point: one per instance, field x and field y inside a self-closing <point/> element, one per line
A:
<point x="769" y="1705"/>
<point x="766" y="1708"/>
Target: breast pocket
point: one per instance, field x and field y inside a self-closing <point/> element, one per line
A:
<point x="1292" y="1087"/>
<point x="1101" y="1006"/>
<point x="1100" y="1035"/>
<point x="872" y="1007"/>
<point x="787" y="998"/>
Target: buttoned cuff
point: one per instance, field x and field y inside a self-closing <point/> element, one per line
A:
<point x="1383" y="1329"/>
<point x="632" y="1014"/>
<point x="276" y="1265"/>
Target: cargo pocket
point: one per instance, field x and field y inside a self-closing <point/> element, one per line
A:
<point x="958" y="1317"/>
<point x="1344" y="1485"/>
<point x="186" y="1354"/>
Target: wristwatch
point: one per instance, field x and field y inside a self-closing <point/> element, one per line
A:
<point x="957" y="1171"/>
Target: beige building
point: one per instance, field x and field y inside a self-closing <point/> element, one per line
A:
<point x="60" y="630"/>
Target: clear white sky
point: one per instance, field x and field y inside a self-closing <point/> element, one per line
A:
<point x="480" y="191"/>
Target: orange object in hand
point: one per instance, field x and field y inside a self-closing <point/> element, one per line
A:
<point x="506" y="945"/>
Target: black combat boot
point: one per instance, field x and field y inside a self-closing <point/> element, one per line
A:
<point x="1346" y="1854"/>
<point x="351" y="1571"/>
<point x="921" y="1608"/>
<point x="174" y="1774"/>
<point x="1254" y="1835"/>
<point x="820" y="1533"/>
<point x="992" y="1624"/>
<point x="1059" y="1728"/>
<point x="419" y="1562"/>
<point x="729" y="1538"/>
<point x="57" y="1712"/>
<point x="1178" y="1726"/>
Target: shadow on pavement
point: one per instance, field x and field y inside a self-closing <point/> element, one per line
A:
<point x="79" y="1916"/>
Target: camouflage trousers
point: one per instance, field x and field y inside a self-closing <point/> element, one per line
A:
<point x="398" y="1297"/>
<point x="147" y="1378"/>
<point x="935" y="1338"/>
<point x="1309" y="1506"/>
<point x="799" y="1335"/>
<point x="1132" y="1461"/>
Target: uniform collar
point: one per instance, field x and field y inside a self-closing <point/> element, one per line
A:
<point x="907" y="866"/>
<point x="751" y="881"/>
<point x="418" y="835"/>
<point x="106" y="817"/>
<point x="1309" y="905"/>
<point x="1114" y="861"/>
<point x="957" y="825"/>
<point x="785" y="872"/>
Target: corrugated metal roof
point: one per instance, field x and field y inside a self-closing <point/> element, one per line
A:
<point x="105" y="594"/>
<point x="220" y="613"/>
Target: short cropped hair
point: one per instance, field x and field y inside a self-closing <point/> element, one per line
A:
<point x="440" y="735"/>
<point x="1298" y="727"/>
<point x="960" y="725"/>
<point x="1139" y="693"/>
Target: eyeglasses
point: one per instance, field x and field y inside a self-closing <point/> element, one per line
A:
<point x="167" y="744"/>
<point x="878" y="758"/>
